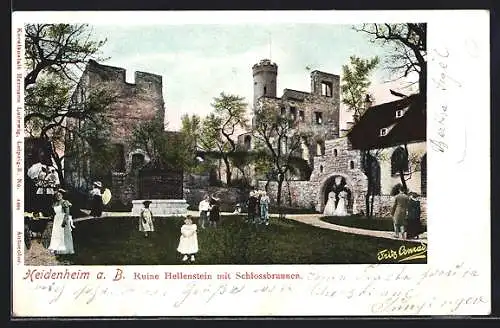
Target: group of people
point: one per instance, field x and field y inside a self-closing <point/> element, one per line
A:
<point x="258" y="207"/>
<point x="209" y="211"/>
<point x="336" y="204"/>
<point x="406" y="215"/>
<point x="46" y="181"/>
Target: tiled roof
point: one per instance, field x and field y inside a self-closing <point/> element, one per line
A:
<point x="410" y="127"/>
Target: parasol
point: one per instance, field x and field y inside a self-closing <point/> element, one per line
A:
<point x="34" y="170"/>
<point x="106" y="196"/>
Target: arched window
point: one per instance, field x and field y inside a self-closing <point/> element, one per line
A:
<point x="351" y="165"/>
<point x="320" y="148"/>
<point x="423" y="175"/>
<point x="335" y="152"/>
<point x="137" y="161"/>
<point x="399" y="161"/>
<point x="371" y="168"/>
<point x="321" y="169"/>
<point x="119" y="157"/>
<point x="248" y="142"/>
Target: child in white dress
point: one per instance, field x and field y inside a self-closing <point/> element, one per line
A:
<point x="188" y="242"/>
<point x="146" y="220"/>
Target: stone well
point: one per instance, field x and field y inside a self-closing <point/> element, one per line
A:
<point x="162" y="207"/>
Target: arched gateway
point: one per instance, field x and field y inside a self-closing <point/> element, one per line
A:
<point x="335" y="182"/>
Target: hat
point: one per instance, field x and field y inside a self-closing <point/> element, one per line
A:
<point x="147" y="202"/>
<point x="62" y="191"/>
<point x="98" y="184"/>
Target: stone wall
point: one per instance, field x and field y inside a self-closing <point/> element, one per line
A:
<point x="134" y="103"/>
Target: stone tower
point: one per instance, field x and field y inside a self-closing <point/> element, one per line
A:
<point x="265" y="74"/>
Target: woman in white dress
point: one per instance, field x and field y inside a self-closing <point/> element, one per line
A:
<point x="330" y="205"/>
<point x="61" y="240"/>
<point x="341" y="209"/>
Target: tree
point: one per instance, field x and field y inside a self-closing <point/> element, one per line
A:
<point x="48" y="110"/>
<point x="404" y="164"/>
<point x="356" y="81"/>
<point x="54" y="55"/>
<point x="219" y="128"/>
<point x="60" y="49"/>
<point x="281" y="141"/>
<point x="408" y="44"/>
<point x="167" y="150"/>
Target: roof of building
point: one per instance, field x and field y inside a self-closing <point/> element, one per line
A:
<point x="408" y="128"/>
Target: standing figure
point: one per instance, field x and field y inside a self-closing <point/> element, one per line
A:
<point x="264" y="208"/>
<point x="398" y="212"/>
<point x="414" y="227"/>
<point x="203" y="208"/>
<point x="214" y="215"/>
<point x="252" y="207"/>
<point x="341" y="209"/>
<point x="330" y="204"/>
<point x="146" y="223"/>
<point x="43" y="201"/>
<point x="188" y="242"/>
<point x="96" y="202"/>
<point x="61" y="240"/>
<point x="52" y="181"/>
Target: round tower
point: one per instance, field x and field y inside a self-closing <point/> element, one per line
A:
<point x="264" y="79"/>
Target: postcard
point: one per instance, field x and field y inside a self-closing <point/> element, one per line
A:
<point x="250" y="163"/>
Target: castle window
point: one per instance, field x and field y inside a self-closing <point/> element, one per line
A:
<point x="119" y="157"/>
<point x="248" y="142"/>
<point x="351" y="165"/>
<point x="335" y="152"/>
<point x="326" y="89"/>
<point x="399" y="113"/>
<point x="399" y="161"/>
<point x="293" y="113"/>
<point x="321" y="169"/>
<point x="301" y="116"/>
<point x="320" y="148"/>
<point x="383" y="132"/>
<point x="265" y="91"/>
<point x="318" y="117"/>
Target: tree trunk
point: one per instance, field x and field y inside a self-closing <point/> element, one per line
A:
<point x="228" y="171"/>
<point x="402" y="178"/>
<point x="278" y="194"/>
<point x="371" y="205"/>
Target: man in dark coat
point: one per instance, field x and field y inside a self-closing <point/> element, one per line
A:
<point x="252" y="207"/>
<point x="414" y="227"/>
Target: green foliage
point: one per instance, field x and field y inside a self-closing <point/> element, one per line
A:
<point x="356" y="81"/>
<point x="219" y="128"/>
<point x="169" y="150"/>
<point x="58" y="49"/>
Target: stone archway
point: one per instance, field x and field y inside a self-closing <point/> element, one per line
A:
<point x="326" y="185"/>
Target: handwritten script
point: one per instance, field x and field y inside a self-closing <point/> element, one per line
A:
<point x="445" y="84"/>
<point x="401" y="290"/>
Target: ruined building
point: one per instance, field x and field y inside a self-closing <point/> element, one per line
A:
<point x="135" y="102"/>
<point x="315" y="112"/>
<point x="338" y="157"/>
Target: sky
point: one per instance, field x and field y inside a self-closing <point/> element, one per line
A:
<point x="198" y="62"/>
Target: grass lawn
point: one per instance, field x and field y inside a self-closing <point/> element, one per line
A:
<point x="376" y="223"/>
<point x="117" y="241"/>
